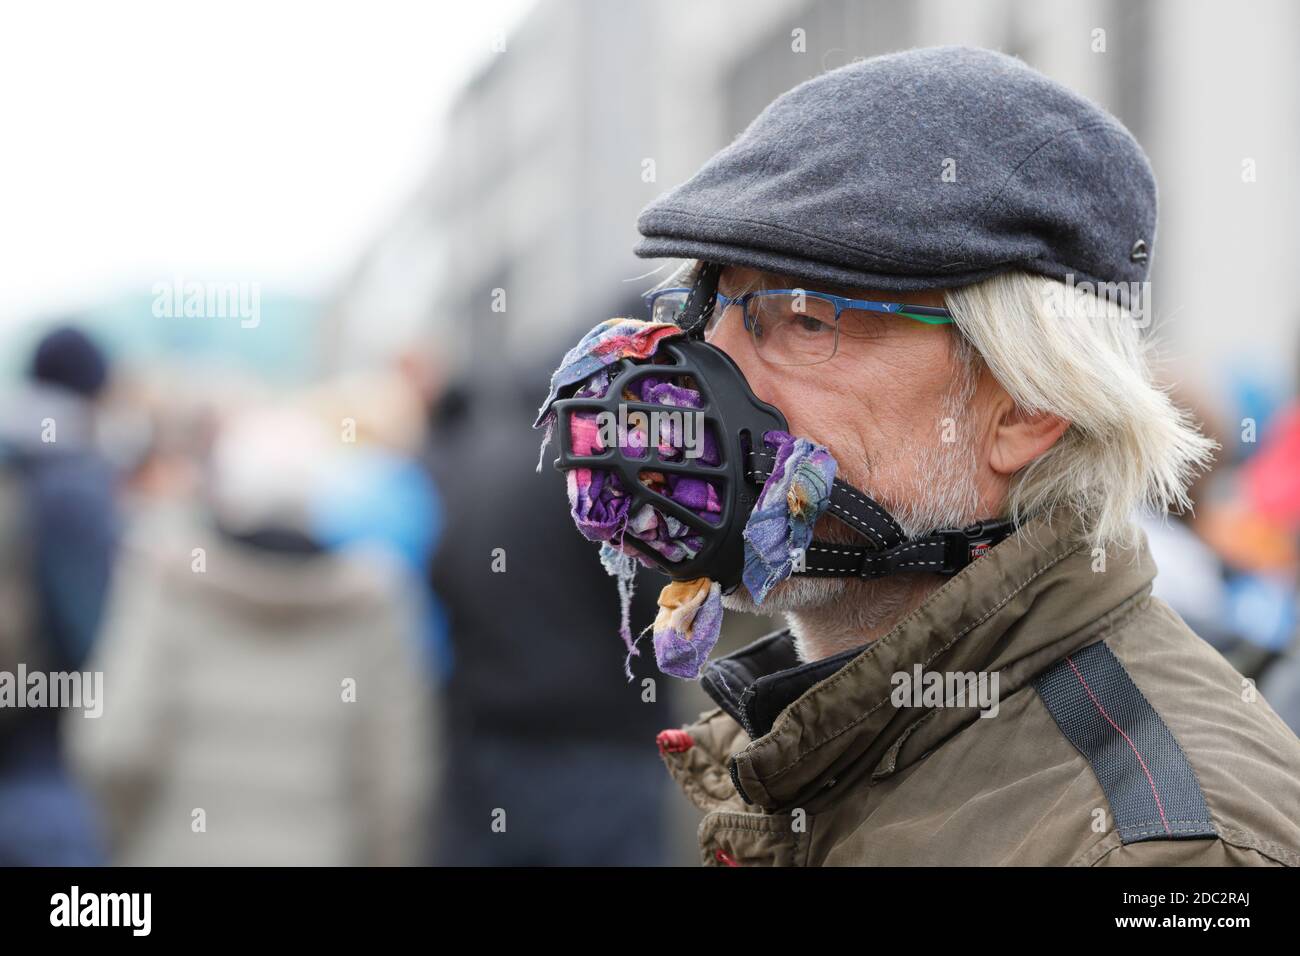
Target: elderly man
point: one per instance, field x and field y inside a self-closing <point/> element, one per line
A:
<point x="960" y="179"/>
<point x="932" y="264"/>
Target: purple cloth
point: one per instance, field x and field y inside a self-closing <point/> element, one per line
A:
<point x="781" y="526"/>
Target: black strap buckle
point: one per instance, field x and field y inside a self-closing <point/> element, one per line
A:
<point x="964" y="545"/>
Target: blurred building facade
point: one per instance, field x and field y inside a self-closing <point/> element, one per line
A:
<point x="593" y="107"/>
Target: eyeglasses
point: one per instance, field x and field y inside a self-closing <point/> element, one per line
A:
<point x="796" y="326"/>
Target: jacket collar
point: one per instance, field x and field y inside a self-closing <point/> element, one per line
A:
<point x="1028" y="602"/>
<point x="757" y="682"/>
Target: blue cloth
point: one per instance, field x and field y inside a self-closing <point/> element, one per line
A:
<point x="803" y="475"/>
<point x="388" y="501"/>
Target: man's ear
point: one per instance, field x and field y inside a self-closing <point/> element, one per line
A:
<point x="1019" y="437"/>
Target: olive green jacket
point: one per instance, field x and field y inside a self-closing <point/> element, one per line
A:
<point x="844" y="776"/>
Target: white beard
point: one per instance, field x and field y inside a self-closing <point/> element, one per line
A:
<point x="830" y="615"/>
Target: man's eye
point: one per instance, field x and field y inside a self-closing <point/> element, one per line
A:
<point x="809" y="323"/>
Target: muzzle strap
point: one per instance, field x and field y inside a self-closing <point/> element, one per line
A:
<point x="942" y="552"/>
<point x="851" y="506"/>
<point x="699" y="304"/>
<point x="946" y="551"/>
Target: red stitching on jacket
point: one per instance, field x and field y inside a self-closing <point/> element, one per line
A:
<point x="1150" y="780"/>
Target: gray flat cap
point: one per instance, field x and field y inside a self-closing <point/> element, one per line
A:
<point x="922" y="169"/>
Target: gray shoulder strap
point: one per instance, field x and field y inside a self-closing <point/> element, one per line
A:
<point x="1153" y="792"/>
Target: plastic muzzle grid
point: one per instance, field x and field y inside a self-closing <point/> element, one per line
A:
<point x="731" y="412"/>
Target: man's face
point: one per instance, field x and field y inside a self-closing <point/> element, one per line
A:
<point x="887" y="404"/>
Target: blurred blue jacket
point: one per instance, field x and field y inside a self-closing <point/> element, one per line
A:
<point x="385" y="500"/>
<point x="64" y="492"/>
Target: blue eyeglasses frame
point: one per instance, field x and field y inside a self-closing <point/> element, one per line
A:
<point x="928" y="314"/>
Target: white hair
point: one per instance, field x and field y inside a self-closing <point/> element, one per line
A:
<point x="1063" y="350"/>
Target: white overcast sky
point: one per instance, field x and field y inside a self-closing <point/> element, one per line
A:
<point x="265" y="141"/>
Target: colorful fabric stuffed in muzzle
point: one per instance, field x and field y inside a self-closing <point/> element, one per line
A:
<point x="673" y="463"/>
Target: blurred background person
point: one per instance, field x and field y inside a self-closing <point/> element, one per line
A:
<point x="541" y="724"/>
<point x="265" y="698"/>
<point x="58" y="538"/>
<point x="1271" y="488"/>
<point x="1231" y="566"/>
<point x="385" y="497"/>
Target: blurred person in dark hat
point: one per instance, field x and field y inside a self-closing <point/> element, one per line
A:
<point x="548" y="763"/>
<point x="57" y="492"/>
